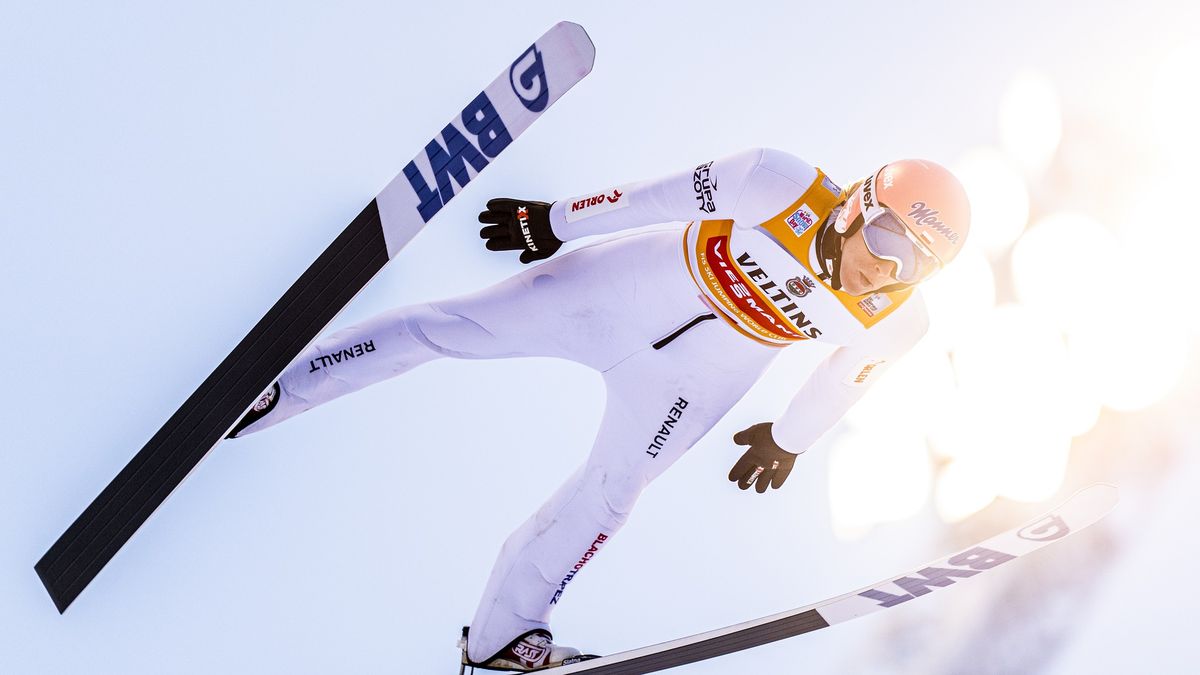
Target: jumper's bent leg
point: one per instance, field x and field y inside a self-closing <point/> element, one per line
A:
<point x="659" y="404"/>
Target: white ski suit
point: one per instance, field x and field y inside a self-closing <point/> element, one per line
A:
<point x="618" y="307"/>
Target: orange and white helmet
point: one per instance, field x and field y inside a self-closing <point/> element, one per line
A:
<point x="914" y="213"/>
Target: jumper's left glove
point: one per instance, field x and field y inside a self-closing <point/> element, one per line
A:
<point x="519" y="225"/>
<point x="765" y="462"/>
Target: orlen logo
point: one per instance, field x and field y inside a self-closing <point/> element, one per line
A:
<point x="866" y="368"/>
<point x="595" y="204"/>
<point x="601" y="198"/>
<point x="928" y="217"/>
<point x="479" y="119"/>
<point x="965" y="564"/>
<point x="865" y="372"/>
<point x="528" y="79"/>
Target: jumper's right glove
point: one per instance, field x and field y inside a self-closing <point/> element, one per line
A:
<point x="765" y="462"/>
<point x="519" y="225"/>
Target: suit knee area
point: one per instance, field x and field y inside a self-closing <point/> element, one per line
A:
<point x="599" y="500"/>
<point x="446" y="332"/>
<point x="619" y="493"/>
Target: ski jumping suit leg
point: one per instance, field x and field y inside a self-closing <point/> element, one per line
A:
<point x="659" y="403"/>
<point x="604" y="306"/>
<point x="595" y="306"/>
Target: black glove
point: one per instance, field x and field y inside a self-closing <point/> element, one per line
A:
<point x="764" y="462"/>
<point x="519" y="225"/>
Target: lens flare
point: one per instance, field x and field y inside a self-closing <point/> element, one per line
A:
<point x="876" y="475"/>
<point x="1033" y="464"/>
<point x="1013" y="413"/>
<point x="1175" y="104"/>
<point x="1129" y="376"/>
<point x="999" y="198"/>
<point x="909" y="394"/>
<point x="1031" y="121"/>
<point x="963" y="488"/>
<point x="1149" y="225"/>
<point x="1058" y="268"/>
<point x="958" y="297"/>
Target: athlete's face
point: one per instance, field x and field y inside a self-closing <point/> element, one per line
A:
<point x="861" y="272"/>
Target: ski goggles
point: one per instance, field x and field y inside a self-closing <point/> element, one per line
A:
<point x="888" y="238"/>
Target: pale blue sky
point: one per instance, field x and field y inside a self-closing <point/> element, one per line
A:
<point x="167" y="170"/>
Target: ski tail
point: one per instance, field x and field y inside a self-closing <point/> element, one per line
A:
<point x="1083" y="509"/>
<point x="472" y="139"/>
<point x="213" y="409"/>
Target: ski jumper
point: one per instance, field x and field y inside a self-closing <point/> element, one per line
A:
<point x="680" y="323"/>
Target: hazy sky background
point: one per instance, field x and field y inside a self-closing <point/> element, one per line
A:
<point x="166" y="172"/>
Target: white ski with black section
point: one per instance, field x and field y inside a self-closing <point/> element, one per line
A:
<point x="471" y="141"/>
<point x="1083" y="509"/>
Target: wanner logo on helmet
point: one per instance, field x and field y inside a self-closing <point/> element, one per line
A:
<point x="927" y="217"/>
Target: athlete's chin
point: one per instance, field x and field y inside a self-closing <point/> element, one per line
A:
<point x="853" y="288"/>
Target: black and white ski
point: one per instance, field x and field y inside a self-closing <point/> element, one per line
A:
<point x="1083" y="509"/>
<point x="464" y="147"/>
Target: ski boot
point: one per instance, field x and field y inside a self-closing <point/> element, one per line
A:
<point x="533" y="650"/>
<point x="265" y="404"/>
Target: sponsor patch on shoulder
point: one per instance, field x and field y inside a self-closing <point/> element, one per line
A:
<point x="705" y="185"/>
<point x="594" y="204"/>
<point x="802" y="219"/>
<point x="861" y="375"/>
<point x="874" y="303"/>
<point x="831" y="186"/>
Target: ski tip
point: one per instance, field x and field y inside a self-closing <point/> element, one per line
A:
<point x="580" y="42"/>
<point x="1100" y="495"/>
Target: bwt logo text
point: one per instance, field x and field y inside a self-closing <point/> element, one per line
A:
<point x="485" y="138"/>
<point x="965" y="564"/>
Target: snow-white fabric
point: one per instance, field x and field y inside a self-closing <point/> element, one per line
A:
<point x="604" y="306"/>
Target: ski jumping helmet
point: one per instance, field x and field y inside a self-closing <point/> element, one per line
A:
<point x="912" y="212"/>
